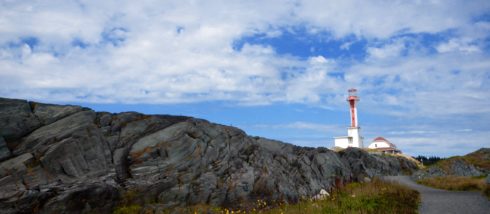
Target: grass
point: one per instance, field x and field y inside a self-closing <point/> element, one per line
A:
<point x="376" y="196"/>
<point x="457" y="183"/>
<point x="128" y="209"/>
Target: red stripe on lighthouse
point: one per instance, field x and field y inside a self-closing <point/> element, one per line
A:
<point x="353" y="113"/>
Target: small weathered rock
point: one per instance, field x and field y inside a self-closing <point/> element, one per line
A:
<point x="323" y="194"/>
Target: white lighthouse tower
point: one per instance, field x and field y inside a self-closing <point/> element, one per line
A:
<point x="353" y="138"/>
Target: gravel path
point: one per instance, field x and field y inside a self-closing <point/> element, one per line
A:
<point x="442" y="201"/>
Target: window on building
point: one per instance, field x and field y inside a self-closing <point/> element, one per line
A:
<point x="375" y="145"/>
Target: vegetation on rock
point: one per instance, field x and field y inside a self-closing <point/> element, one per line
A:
<point x="473" y="164"/>
<point x="377" y="196"/>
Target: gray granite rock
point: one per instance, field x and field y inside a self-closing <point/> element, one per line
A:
<point x="4" y="150"/>
<point x="68" y="159"/>
<point x="84" y="198"/>
<point x="462" y="168"/>
<point x="222" y="165"/>
<point x="16" y="119"/>
<point x="456" y="167"/>
<point x="368" y="165"/>
<point x="48" y="113"/>
<point x="15" y="164"/>
<point x="41" y="139"/>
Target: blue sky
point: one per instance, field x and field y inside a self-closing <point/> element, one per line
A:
<point x="277" y="69"/>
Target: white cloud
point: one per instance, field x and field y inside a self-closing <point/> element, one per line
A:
<point x="421" y="85"/>
<point x="382" y="19"/>
<point x="445" y="145"/>
<point x="387" y="50"/>
<point x="462" y="45"/>
<point x="182" y="51"/>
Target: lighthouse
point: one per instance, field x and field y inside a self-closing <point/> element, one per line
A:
<point x="353" y="138"/>
<point x="353" y="99"/>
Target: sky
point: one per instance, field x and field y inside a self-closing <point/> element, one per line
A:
<point x="276" y="68"/>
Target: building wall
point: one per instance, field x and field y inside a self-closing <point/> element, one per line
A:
<point x="354" y="132"/>
<point x="342" y="142"/>
<point x="379" y="144"/>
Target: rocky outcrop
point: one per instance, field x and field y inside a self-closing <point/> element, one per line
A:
<point x="16" y="119"/>
<point x="474" y="164"/>
<point x="365" y="165"/>
<point x="4" y="150"/>
<point x="69" y="159"/>
<point x="198" y="162"/>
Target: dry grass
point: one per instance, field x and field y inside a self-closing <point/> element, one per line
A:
<point x="456" y="183"/>
<point x="479" y="158"/>
<point x="374" y="197"/>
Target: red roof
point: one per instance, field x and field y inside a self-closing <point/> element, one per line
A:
<point x="380" y="139"/>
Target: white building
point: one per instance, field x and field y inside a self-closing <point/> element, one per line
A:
<point x="353" y="138"/>
<point x="384" y="146"/>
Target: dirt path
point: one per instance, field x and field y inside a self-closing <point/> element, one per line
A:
<point x="442" y="201"/>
